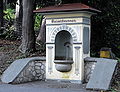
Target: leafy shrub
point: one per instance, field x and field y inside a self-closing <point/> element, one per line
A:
<point x="8" y="24"/>
<point x="9" y="14"/>
<point x="38" y="19"/>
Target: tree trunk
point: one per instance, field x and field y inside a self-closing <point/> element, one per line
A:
<point x="28" y="34"/>
<point x="5" y="4"/>
<point x="42" y="34"/>
<point x="18" y="18"/>
<point x="1" y="13"/>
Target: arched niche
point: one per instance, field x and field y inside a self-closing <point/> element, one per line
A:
<point x="63" y="46"/>
<point x="63" y="27"/>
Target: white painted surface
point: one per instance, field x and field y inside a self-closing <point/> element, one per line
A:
<point x="74" y="26"/>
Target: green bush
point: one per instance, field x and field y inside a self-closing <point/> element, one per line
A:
<point x="9" y="24"/>
<point x="38" y="19"/>
<point x="9" y="14"/>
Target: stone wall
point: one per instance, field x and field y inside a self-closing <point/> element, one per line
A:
<point x="89" y="67"/>
<point x="34" y="70"/>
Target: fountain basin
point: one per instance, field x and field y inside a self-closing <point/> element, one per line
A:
<point x="63" y="65"/>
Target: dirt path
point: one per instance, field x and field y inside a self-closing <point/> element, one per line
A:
<point x="8" y="52"/>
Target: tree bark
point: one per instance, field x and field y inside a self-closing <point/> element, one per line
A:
<point x="18" y="18"/>
<point x="1" y="13"/>
<point x="42" y="34"/>
<point x="28" y="34"/>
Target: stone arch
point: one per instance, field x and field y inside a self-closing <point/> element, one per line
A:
<point x="66" y="28"/>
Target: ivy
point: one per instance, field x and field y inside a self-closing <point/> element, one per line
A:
<point x="38" y="19"/>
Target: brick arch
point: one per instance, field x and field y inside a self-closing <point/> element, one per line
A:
<point x="66" y="28"/>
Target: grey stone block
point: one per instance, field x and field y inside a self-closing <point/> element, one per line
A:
<point x="102" y="75"/>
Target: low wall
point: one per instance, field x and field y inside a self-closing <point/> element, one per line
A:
<point x="25" y="70"/>
<point x="35" y="70"/>
<point x="32" y="69"/>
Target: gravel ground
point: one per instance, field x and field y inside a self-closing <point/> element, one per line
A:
<point x="41" y="86"/>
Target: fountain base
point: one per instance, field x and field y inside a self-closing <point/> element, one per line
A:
<point x="63" y="65"/>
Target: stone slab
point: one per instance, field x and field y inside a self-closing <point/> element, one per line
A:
<point x="16" y="67"/>
<point x="102" y="75"/>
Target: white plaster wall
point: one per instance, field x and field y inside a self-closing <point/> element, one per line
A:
<point x="76" y="30"/>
